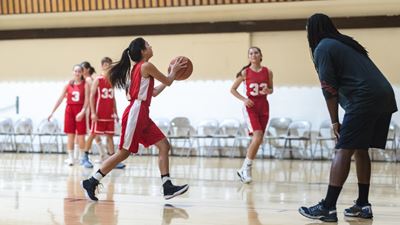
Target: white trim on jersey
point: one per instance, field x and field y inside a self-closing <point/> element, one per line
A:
<point x="247" y="119"/>
<point x="98" y="99"/>
<point x="131" y="123"/>
<point x="143" y="89"/>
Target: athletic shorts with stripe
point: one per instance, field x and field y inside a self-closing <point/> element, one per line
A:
<point x="138" y="128"/>
<point x="257" y="117"/>
<point x="103" y="127"/>
<point x="71" y="126"/>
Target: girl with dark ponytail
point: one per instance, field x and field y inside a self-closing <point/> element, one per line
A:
<point x="258" y="82"/>
<point x="137" y="126"/>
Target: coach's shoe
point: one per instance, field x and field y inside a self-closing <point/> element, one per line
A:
<point x="90" y="186"/>
<point x="244" y="175"/>
<point x="85" y="161"/>
<point x="362" y="211"/>
<point x="171" y="190"/>
<point x="319" y="212"/>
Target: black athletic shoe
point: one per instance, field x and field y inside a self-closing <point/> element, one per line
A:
<point x="362" y="211"/>
<point x="319" y="212"/>
<point x="89" y="187"/>
<point x="171" y="190"/>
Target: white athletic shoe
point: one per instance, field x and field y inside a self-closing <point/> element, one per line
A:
<point x="69" y="162"/>
<point x="244" y="175"/>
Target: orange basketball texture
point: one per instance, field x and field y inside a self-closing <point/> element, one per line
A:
<point x="183" y="73"/>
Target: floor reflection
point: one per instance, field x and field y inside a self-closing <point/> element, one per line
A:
<point x="171" y="212"/>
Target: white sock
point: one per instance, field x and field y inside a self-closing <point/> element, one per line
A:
<point x="76" y="153"/>
<point x="247" y="163"/>
<point x="101" y="149"/>
<point x="81" y="153"/>
<point x="71" y="155"/>
<point x="98" y="176"/>
<point x="165" y="179"/>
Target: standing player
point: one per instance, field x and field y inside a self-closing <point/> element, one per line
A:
<point x="349" y="77"/>
<point x="137" y="127"/>
<point x="77" y="92"/>
<point x="258" y="82"/>
<point x="103" y="112"/>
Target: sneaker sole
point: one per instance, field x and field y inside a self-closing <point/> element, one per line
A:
<point x="358" y="215"/>
<point x="322" y="218"/>
<point x="241" y="178"/>
<point x="180" y="192"/>
<point x="86" y="194"/>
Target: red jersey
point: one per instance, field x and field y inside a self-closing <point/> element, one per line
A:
<point x="256" y="81"/>
<point x="104" y="100"/>
<point x="76" y="93"/>
<point x="141" y="88"/>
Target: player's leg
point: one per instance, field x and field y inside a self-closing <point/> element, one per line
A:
<point x="169" y="189"/>
<point x="110" y="150"/>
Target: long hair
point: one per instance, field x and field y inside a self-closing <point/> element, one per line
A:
<point x="320" y="26"/>
<point x="90" y="68"/>
<point x="248" y="65"/>
<point x="119" y="73"/>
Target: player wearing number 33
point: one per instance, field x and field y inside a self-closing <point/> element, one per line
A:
<point x="258" y="83"/>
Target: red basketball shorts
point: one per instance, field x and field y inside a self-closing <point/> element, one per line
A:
<point x="71" y="126"/>
<point x="137" y="128"/>
<point x="257" y="116"/>
<point x="103" y="127"/>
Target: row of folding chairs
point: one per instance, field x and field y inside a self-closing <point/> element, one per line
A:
<point x="284" y="138"/>
<point x="21" y="135"/>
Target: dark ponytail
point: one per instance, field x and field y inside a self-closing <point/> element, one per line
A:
<point x="243" y="68"/>
<point x="119" y="73"/>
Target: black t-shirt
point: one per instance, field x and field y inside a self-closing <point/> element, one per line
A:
<point x="353" y="77"/>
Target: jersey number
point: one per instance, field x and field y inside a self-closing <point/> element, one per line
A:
<point x="75" y="96"/>
<point x="107" y="93"/>
<point x="256" y="88"/>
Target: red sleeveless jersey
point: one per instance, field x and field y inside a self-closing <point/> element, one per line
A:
<point x="256" y="81"/>
<point x="104" y="100"/>
<point x="76" y="93"/>
<point x="141" y="88"/>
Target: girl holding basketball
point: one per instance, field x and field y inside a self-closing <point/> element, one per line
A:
<point x="137" y="127"/>
<point x="258" y="83"/>
<point x="77" y="93"/>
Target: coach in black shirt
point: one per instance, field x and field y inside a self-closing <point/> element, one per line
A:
<point x="349" y="77"/>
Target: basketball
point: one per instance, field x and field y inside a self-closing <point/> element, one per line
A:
<point x="183" y="73"/>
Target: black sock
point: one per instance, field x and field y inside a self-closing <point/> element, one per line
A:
<point x="363" y="191"/>
<point x="165" y="175"/>
<point x="331" y="196"/>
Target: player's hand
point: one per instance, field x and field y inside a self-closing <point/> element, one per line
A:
<point x="249" y="103"/>
<point x="49" y="117"/>
<point x="79" y="116"/>
<point x="179" y="64"/>
<point x="336" y="129"/>
<point x="93" y="117"/>
<point x="266" y="91"/>
<point x="115" y="116"/>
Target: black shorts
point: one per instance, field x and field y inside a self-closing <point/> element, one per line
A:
<point x="363" y="131"/>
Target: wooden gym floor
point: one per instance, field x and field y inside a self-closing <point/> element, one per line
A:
<point x="41" y="189"/>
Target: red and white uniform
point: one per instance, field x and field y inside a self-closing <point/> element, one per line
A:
<point x="256" y="117"/>
<point x="75" y="100"/>
<point x="104" y="106"/>
<point x="137" y="127"/>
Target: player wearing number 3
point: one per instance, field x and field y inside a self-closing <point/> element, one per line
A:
<point x="76" y="92"/>
<point x="258" y="82"/>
